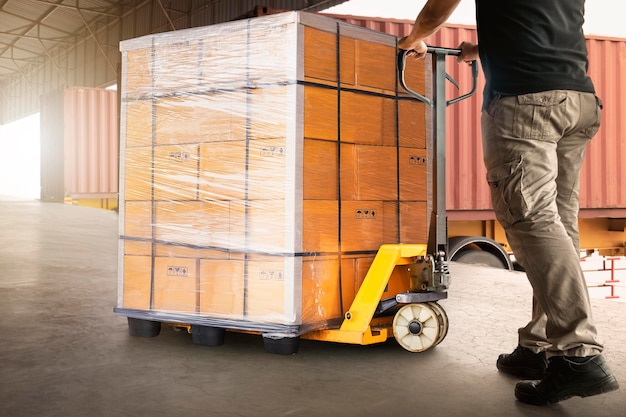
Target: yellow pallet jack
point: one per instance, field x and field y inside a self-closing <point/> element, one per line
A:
<point x="414" y="318"/>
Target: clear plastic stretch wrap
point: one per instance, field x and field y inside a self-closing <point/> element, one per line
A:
<point x="263" y="163"/>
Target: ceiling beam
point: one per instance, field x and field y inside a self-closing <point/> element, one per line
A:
<point x="102" y="12"/>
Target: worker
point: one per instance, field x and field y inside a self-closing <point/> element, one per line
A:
<point x="539" y="113"/>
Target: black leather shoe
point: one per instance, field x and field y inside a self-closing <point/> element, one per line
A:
<point x="523" y="363"/>
<point x="568" y="377"/>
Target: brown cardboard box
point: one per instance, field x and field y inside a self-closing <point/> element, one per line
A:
<point x="321" y="289"/>
<point x="369" y="172"/>
<point x="319" y="170"/>
<point x="176" y="65"/>
<point x="223" y="170"/>
<point x="414" y="222"/>
<point x="267" y="170"/>
<point x="269" y="111"/>
<point x="138" y="123"/>
<point x="368" y="119"/>
<point x="138" y="173"/>
<point x="133" y="247"/>
<point x="412" y="124"/>
<point x="320" y="55"/>
<point x="138" y="74"/>
<point x="367" y="65"/>
<point x="222" y="60"/>
<point x="320" y="113"/>
<point x="175" y="285"/>
<point x="413" y="174"/>
<point x="198" y="223"/>
<point x="320" y="225"/>
<point x="176" y="172"/>
<point x="138" y="219"/>
<point x="209" y="117"/>
<point x="137" y="276"/>
<point x="268" y="229"/>
<point x="222" y="287"/>
<point x="362" y="225"/>
<point x="266" y="296"/>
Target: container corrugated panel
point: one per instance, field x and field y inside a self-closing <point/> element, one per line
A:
<point x="603" y="179"/>
<point x="90" y="142"/>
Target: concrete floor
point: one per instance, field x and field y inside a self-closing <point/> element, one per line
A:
<point x="64" y="353"/>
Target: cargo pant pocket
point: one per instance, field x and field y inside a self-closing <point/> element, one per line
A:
<point x="507" y="192"/>
<point x="541" y="116"/>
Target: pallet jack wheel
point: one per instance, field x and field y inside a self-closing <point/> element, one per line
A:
<point x="443" y="320"/>
<point x="416" y="327"/>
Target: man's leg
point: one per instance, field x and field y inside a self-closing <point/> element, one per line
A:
<point x="520" y="141"/>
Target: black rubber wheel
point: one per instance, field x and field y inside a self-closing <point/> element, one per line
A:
<point x="281" y="345"/>
<point x="207" y="335"/>
<point x="479" y="257"/>
<point x="143" y="328"/>
<point x="478" y="250"/>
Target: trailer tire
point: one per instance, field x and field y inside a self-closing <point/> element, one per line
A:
<point x="478" y="250"/>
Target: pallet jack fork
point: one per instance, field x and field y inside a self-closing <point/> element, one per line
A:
<point x="414" y="317"/>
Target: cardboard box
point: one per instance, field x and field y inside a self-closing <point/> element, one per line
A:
<point x="222" y="287"/>
<point x="223" y="170"/>
<point x="138" y="123"/>
<point x="369" y="172"/>
<point x="137" y="173"/>
<point x="136" y="289"/>
<point x="175" y="172"/>
<point x="211" y="117"/>
<point x="175" y="285"/>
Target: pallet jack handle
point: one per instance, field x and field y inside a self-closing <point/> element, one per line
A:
<point x="439" y="53"/>
<point x="438" y="235"/>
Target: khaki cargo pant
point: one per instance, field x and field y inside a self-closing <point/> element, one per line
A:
<point x="533" y="146"/>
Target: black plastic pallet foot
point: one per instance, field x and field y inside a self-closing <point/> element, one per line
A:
<point x="281" y="345"/>
<point x="143" y="328"/>
<point x="207" y="335"/>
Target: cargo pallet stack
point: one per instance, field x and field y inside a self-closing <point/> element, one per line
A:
<point x="263" y="163"/>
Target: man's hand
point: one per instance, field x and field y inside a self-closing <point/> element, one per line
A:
<point x="469" y="52"/>
<point x="413" y="48"/>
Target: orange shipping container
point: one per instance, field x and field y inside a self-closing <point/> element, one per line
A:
<point x="603" y="179"/>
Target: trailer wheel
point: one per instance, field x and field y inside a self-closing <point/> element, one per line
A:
<point x="416" y="327"/>
<point x="478" y="250"/>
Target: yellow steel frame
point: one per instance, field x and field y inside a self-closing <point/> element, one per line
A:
<point x="358" y="326"/>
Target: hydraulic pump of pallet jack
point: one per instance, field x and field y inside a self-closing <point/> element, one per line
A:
<point x="430" y="273"/>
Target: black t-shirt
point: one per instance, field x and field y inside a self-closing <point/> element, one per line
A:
<point x="528" y="46"/>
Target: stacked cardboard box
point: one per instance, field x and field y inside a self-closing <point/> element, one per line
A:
<point x="264" y="162"/>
